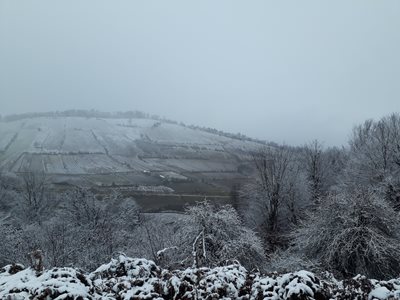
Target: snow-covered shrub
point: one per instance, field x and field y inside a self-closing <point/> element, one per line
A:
<point x="288" y="261"/>
<point x="298" y="285"/>
<point x="57" y="283"/>
<point x="223" y="281"/>
<point x="353" y="233"/>
<point x="123" y="266"/>
<point x="218" y="235"/>
<point x="205" y="283"/>
<point x="127" y="278"/>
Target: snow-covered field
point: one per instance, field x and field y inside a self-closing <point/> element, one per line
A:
<point x="128" y="278"/>
<point x="77" y="145"/>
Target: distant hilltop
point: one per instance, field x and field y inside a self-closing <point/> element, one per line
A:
<point x="93" y="148"/>
<point x="132" y="114"/>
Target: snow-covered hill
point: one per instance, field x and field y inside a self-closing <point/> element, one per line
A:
<point x="64" y="145"/>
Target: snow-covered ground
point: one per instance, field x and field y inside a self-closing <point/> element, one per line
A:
<point x="77" y="145"/>
<point x="128" y="278"/>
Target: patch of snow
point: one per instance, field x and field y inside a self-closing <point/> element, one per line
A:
<point x="380" y="293"/>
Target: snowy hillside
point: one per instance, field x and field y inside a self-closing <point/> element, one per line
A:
<point x="79" y="146"/>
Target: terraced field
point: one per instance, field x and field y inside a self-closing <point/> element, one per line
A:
<point x="124" y="152"/>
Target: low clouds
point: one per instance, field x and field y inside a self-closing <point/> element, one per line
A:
<point x="287" y="72"/>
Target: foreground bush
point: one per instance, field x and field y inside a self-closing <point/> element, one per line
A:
<point x="352" y="232"/>
<point x="128" y="278"/>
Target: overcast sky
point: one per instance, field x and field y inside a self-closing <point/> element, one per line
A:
<point x="284" y="71"/>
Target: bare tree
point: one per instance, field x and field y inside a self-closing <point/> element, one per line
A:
<point x="34" y="191"/>
<point x="93" y="226"/>
<point x="274" y="190"/>
<point x="205" y="235"/>
<point x="163" y="238"/>
<point x="335" y="161"/>
<point x="313" y="157"/>
<point x="273" y="168"/>
<point x="218" y="235"/>
<point x="83" y="207"/>
<point x="59" y="244"/>
<point x="375" y="149"/>
<point x="374" y="158"/>
<point x="370" y="151"/>
<point x="294" y="194"/>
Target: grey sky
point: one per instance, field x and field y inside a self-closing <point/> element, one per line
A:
<point x="286" y="71"/>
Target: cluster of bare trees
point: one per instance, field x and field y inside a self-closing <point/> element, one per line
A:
<point x="78" y="228"/>
<point x="332" y="208"/>
<point x="274" y="191"/>
<point x="70" y="228"/>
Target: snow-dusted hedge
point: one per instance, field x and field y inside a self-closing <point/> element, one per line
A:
<point x="128" y="278"/>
